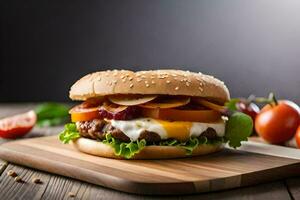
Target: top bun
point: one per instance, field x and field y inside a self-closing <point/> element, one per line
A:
<point x="164" y="82"/>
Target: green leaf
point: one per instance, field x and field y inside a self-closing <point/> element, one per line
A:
<point x="191" y="144"/>
<point x="231" y="105"/>
<point x="238" y="128"/>
<point x="69" y="133"/>
<point x="124" y="149"/>
<point x="52" y="114"/>
<point x="52" y="122"/>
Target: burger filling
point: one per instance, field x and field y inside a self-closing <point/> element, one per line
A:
<point x="129" y="123"/>
<point x="146" y="128"/>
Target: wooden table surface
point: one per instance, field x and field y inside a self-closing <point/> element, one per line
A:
<point x="59" y="187"/>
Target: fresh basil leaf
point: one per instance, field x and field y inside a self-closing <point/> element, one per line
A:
<point x="231" y="105"/>
<point x="52" y="122"/>
<point x="238" y="128"/>
<point x="69" y="133"/>
<point x="52" y="114"/>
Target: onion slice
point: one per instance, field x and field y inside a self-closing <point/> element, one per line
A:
<point x="210" y="105"/>
<point x="173" y="102"/>
<point x="113" y="108"/>
<point x="131" y="100"/>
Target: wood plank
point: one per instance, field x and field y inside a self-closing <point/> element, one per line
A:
<point x="223" y="170"/>
<point x="3" y="165"/>
<point x="293" y="185"/>
<point x="58" y="187"/>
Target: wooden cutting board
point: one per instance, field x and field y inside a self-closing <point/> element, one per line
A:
<point x="218" y="171"/>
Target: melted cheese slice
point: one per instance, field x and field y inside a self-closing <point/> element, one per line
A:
<point x="165" y="129"/>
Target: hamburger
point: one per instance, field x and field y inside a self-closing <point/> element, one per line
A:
<point x="156" y="114"/>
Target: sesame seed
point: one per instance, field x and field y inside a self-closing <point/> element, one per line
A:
<point x="123" y="80"/>
<point x="187" y="83"/>
<point x="131" y="85"/>
<point x="36" y="181"/>
<point x="122" y="76"/>
<point x="71" y="194"/>
<point x="146" y="82"/>
<point x="152" y="82"/>
<point x="138" y="80"/>
<point x="130" y="78"/>
<point x="168" y="81"/>
<point x="115" y="81"/>
<point x="147" y="85"/>
<point x="11" y="173"/>
<point x="176" y="88"/>
<point x="174" y="75"/>
<point x="18" y="179"/>
<point x="200" y="88"/>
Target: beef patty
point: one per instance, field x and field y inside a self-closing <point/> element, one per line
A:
<point x="97" y="129"/>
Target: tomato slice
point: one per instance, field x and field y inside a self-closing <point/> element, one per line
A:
<point x="18" y="125"/>
<point x="205" y="116"/>
<point x="78" y="113"/>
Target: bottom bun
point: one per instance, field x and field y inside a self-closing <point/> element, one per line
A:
<point x="97" y="148"/>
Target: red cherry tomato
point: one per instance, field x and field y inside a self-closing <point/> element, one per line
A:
<point x="297" y="136"/>
<point x="277" y="124"/>
<point x="18" y="125"/>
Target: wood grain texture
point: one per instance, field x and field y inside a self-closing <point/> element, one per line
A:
<point x="58" y="187"/>
<point x="293" y="186"/>
<point x="3" y="165"/>
<point x="224" y="170"/>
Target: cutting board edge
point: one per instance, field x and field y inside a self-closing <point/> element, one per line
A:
<point x="135" y="187"/>
<point x="118" y="183"/>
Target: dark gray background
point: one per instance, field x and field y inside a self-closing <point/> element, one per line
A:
<point x="254" y="46"/>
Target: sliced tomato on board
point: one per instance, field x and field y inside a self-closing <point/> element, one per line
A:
<point x="297" y="136"/>
<point x="206" y="116"/>
<point x="18" y="125"/>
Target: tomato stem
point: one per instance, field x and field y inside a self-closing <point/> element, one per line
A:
<point x="273" y="99"/>
<point x="270" y="100"/>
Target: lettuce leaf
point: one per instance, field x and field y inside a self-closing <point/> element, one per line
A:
<point x="70" y="133"/>
<point x="191" y="144"/>
<point x="124" y="149"/>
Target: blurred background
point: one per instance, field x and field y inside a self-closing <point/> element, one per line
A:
<point x="254" y="46"/>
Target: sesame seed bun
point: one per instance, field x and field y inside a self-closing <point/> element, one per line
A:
<point x="163" y="82"/>
<point x="98" y="148"/>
